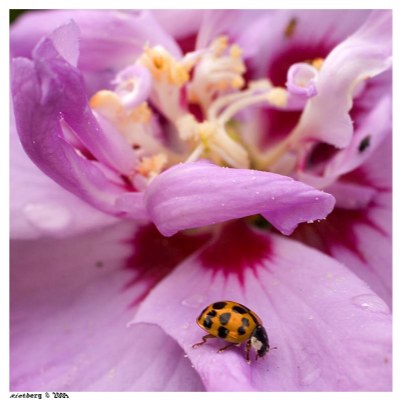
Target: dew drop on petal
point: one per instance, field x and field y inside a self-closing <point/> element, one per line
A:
<point x="47" y="217"/>
<point x="370" y="302"/>
<point x="194" y="301"/>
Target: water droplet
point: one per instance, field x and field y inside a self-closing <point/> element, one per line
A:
<point x="257" y="192"/>
<point x="370" y="302"/>
<point x="194" y="301"/>
<point x="317" y="198"/>
<point x="185" y="355"/>
<point x="47" y="217"/>
<point x="222" y="204"/>
<point x="310" y="221"/>
<point x="272" y="198"/>
<point x="253" y="178"/>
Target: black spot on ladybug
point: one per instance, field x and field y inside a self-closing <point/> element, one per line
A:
<point x="224" y="318"/>
<point x="207" y="323"/>
<point x="364" y="144"/>
<point x="245" y="321"/>
<point x="222" y="332"/>
<point x="212" y="313"/>
<point x="241" y="330"/>
<point x="219" y="305"/>
<point x="239" y="310"/>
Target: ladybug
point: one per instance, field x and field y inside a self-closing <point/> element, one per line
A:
<point x="236" y="324"/>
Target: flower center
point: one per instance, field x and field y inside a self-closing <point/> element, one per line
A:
<point x="153" y="101"/>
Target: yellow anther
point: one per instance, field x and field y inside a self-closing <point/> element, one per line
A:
<point x="141" y="114"/>
<point x="219" y="45"/>
<point x="237" y="82"/>
<point x="152" y="166"/>
<point x="107" y="103"/>
<point x="158" y="61"/>
<point x="317" y="63"/>
<point x="277" y="97"/>
<point x="163" y="66"/>
<point x="178" y="74"/>
<point x="235" y="51"/>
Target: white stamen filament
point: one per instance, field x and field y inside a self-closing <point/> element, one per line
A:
<point x="215" y="86"/>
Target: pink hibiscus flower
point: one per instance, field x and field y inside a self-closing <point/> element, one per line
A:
<point x="175" y="154"/>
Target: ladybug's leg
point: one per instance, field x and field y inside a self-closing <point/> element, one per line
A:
<point x="209" y="336"/>
<point x="248" y="347"/>
<point x="228" y="346"/>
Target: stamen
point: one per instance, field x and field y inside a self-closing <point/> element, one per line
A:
<point x="317" y="63"/>
<point x="219" y="45"/>
<point x="141" y="114"/>
<point x="276" y="97"/>
<point x="218" y="70"/>
<point x="150" y="167"/>
<point x="164" y="67"/>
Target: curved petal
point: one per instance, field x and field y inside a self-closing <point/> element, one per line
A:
<point x="41" y="135"/>
<point x="369" y="134"/>
<point x="363" y="55"/>
<point x="200" y="193"/>
<point x="366" y="139"/>
<point x="73" y="335"/>
<point x="118" y="34"/>
<point x="39" y="206"/>
<point x="362" y="238"/>
<point x="63" y="93"/>
<point x="331" y="331"/>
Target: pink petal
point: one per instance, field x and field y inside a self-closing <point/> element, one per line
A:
<point x="189" y="21"/>
<point x="69" y="315"/>
<point x="295" y="36"/>
<point x="369" y="135"/>
<point x="118" y="34"/>
<point x="362" y="238"/>
<point x="363" y="55"/>
<point x="57" y="76"/>
<point x="351" y="195"/>
<point x="39" y="206"/>
<point x="200" y="193"/>
<point x="224" y="22"/>
<point x="331" y="331"/>
<point x="371" y="131"/>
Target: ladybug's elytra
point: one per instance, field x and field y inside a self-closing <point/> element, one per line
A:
<point x="236" y="324"/>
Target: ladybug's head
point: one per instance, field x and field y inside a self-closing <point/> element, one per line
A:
<point x="259" y="341"/>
